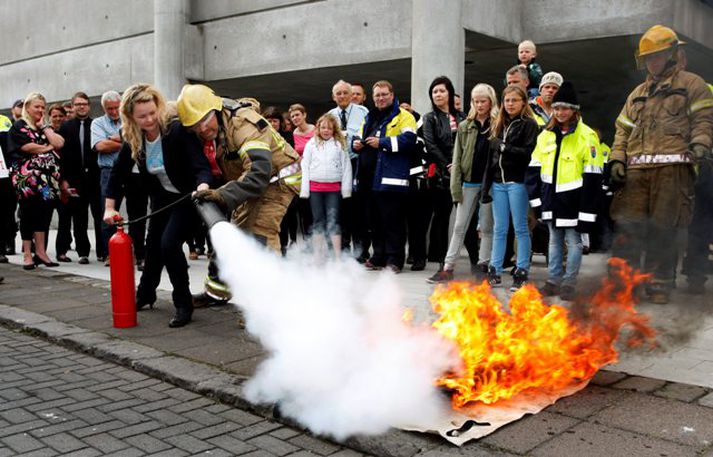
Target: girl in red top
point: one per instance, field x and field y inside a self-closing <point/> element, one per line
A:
<point x="302" y="132"/>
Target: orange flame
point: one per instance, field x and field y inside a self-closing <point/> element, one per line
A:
<point x="536" y="346"/>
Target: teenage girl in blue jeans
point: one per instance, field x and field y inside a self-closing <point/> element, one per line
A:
<point x="512" y="141"/>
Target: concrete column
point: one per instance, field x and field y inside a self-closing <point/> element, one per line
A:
<point x="170" y="17"/>
<point x="437" y="48"/>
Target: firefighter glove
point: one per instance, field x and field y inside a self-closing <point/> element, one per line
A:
<point x="211" y="195"/>
<point x="700" y="152"/>
<point x="618" y="172"/>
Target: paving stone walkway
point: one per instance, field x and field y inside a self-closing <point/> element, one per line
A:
<point x="54" y="401"/>
<point x="617" y="415"/>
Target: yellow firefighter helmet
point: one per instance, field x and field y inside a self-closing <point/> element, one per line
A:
<point x="195" y="102"/>
<point x="657" y="39"/>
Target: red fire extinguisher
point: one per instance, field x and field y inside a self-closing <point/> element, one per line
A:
<point x="123" y="297"/>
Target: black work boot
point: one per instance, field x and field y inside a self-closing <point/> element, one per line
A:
<point x="204" y="300"/>
<point x="659" y="294"/>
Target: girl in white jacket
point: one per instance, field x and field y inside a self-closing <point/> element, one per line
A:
<point x="326" y="179"/>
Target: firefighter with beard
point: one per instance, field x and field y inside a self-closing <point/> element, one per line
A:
<point x="662" y="133"/>
<point x="257" y="170"/>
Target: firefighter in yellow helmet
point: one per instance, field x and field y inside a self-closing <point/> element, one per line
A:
<point x="662" y="132"/>
<point x="257" y="170"/>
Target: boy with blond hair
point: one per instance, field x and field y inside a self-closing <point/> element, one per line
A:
<point x="526" y="54"/>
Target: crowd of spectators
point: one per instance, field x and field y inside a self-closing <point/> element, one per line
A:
<point x="376" y="180"/>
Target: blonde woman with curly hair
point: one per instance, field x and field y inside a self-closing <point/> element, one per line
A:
<point x="171" y="163"/>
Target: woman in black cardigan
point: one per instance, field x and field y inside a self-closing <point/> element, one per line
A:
<point x="172" y="164"/>
<point x="439" y="132"/>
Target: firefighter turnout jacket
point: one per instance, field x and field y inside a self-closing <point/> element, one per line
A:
<point x="260" y="169"/>
<point x="660" y="121"/>
<point x="564" y="177"/>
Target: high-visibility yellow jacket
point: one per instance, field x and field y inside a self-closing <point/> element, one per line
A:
<point x="661" y="120"/>
<point x="565" y="175"/>
<point x="5" y="123"/>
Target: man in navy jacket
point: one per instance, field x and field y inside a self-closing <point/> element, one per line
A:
<point x="384" y="145"/>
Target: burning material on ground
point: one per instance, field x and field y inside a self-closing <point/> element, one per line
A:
<point x="344" y="361"/>
<point x="521" y="361"/>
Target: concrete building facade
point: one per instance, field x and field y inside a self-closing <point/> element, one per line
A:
<point x="286" y="51"/>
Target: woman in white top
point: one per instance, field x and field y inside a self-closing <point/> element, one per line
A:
<point x="326" y="179"/>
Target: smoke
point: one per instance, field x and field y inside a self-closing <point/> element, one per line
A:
<point x="342" y="361"/>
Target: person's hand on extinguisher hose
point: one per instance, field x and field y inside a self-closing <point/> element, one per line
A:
<point x="111" y="215"/>
<point x="211" y="195"/>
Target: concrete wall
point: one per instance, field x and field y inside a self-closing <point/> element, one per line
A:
<point x="96" y="45"/>
<point x="564" y="20"/>
<point x="694" y="20"/>
<point x="36" y="28"/>
<point x="61" y="47"/>
<point x="209" y="10"/>
<point x="551" y="21"/>
<point x="304" y="36"/>
<point x="496" y="18"/>
<point x="92" y="69"/>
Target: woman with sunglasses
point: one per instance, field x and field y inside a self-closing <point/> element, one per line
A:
<point x="172" y="164"/>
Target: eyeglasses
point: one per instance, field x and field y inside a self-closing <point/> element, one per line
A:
<point x="81" y="104"/>
<point x="198" y="126"/>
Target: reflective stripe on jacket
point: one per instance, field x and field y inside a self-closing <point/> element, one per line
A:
<point x="397" y="139"/>
<point x="565" y="175"/>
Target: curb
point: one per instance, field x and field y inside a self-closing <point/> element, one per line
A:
<point x="200" y="378"/>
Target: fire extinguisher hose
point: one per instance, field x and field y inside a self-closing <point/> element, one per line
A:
<point x="153" y="213"/>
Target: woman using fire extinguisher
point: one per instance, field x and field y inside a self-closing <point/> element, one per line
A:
<point x="171" y="162"/>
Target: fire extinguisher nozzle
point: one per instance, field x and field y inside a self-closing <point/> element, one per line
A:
<point x="209" y="212"/>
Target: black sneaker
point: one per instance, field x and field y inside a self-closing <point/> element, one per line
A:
<point x="494" y="279"/>
<point x="418" y="265"/>
<point x="519" y="278"/>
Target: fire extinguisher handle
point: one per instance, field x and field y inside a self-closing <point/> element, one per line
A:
<point x="118" y="220"/>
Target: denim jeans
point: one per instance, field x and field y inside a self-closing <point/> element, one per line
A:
<point x="464" y="213"/>
<point x="510" y="199"/>
<point x="559" y="236"/>
<point x="325" y="212"/>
